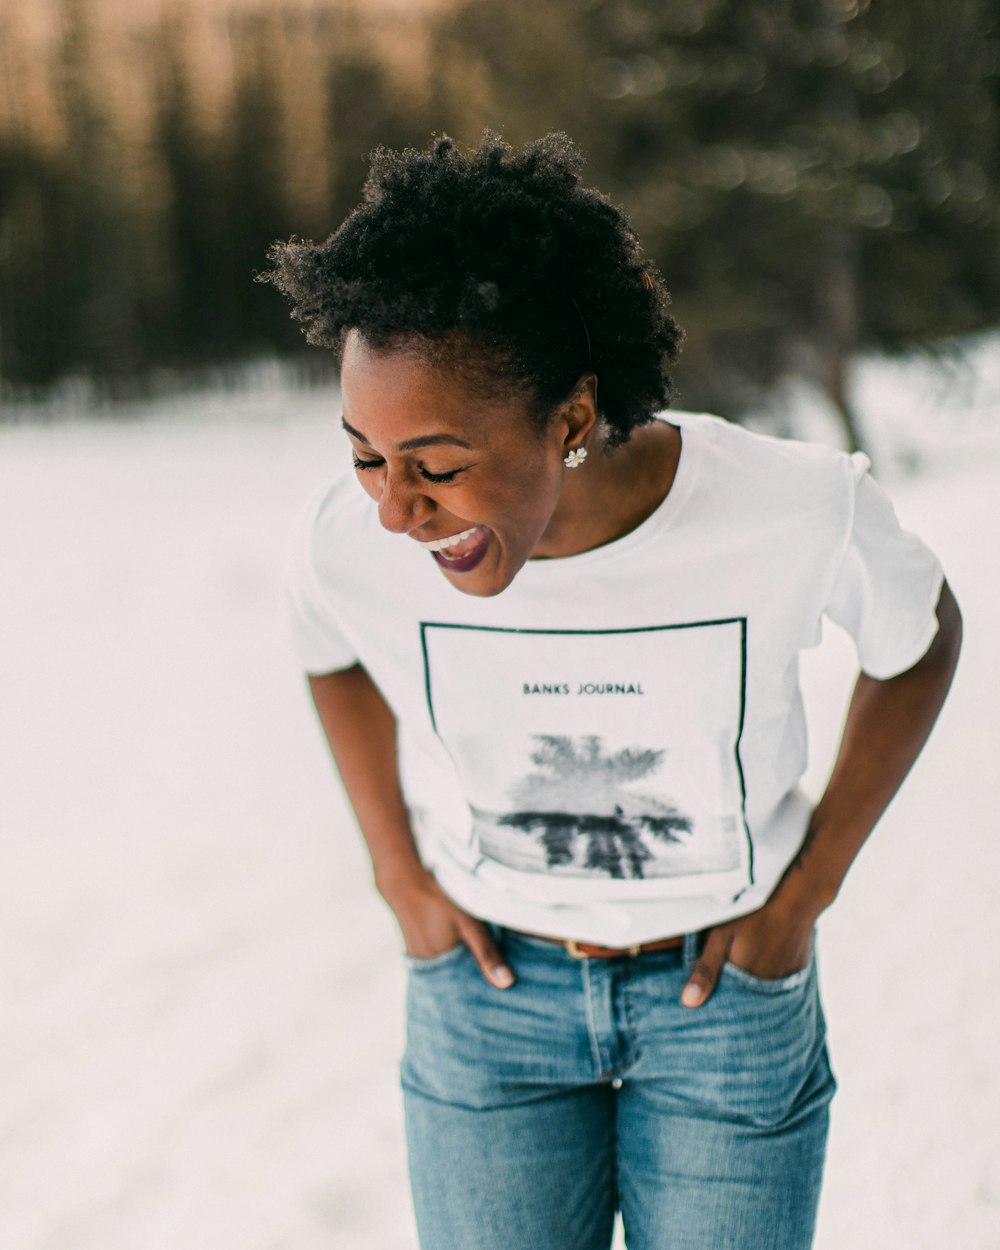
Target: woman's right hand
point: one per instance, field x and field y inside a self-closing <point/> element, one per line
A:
<point x="361" y="730"/>
<point x="432" y="924"/>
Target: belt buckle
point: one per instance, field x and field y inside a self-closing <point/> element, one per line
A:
<point x="573" y="949"/>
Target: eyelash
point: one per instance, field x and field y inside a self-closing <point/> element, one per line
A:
<point x="425" y="473"/>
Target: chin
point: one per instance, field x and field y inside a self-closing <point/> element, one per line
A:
<point x="482" y="591"/>
<point x="485" y="587"/>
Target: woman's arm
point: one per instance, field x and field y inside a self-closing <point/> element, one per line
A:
<point x="887" y="724"/>
<point x="361" y="731"/>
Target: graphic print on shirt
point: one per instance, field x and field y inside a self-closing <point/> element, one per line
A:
<point x="601" y="755"/>
<point x="581" y="807"/>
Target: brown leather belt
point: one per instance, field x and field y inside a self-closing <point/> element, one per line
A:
<point x="590" y="950"/>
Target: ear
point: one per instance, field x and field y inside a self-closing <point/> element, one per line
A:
<point x="579" y="417"/>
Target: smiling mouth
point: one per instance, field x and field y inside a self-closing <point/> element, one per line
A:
<point x="459" y="553"/>
<point x="456" y="540"/>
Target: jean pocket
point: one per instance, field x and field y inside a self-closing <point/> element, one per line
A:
<point x="443" y="960"/>
<point x="767" y="985"/>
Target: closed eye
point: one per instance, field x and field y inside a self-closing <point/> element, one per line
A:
<point x="439" y="477"/>
<point x="426" y="474"/>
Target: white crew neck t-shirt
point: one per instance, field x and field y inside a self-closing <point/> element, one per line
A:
<point x="609" y="750"/>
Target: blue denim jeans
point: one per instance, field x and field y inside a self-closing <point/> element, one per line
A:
<point x="534" y="1113"/>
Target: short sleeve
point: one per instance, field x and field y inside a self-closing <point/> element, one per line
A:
<point x="311" y="624"/>
<point x="888" y="583"/>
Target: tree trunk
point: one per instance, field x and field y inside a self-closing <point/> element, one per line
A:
<point x="842" y="299"/>
<point x="837" y="373"/>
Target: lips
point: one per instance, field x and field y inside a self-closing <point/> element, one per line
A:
<point x="464" y="551"/>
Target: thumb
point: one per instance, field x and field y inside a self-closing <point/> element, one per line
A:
<point x="486" y="953"/>
<point x="705" y="973"/>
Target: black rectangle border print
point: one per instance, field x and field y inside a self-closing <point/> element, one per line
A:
<point x="741" y="621"/>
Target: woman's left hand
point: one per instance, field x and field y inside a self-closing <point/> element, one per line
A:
<point x="771" y="942"/>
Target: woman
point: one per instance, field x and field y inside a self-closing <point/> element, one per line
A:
<point x="605" y="876"/>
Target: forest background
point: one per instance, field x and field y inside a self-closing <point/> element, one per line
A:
<point x="814" y="178"/>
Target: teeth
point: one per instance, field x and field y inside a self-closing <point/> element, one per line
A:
<point x="439" y="544"/>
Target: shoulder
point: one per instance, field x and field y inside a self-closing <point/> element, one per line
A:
<point x="333" y="526"/>
<point x="333" y="511"/>
<point x="338" y="546"/>
<point x="726" y="439"/>
<point x="773" y="473"/>
<point x="331" y="504"/>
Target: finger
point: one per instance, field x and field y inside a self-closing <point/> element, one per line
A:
<point x="486" y="953"/>
<point x="705" y="973"/>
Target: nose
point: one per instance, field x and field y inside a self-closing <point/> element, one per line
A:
<point x="402" y="504"/>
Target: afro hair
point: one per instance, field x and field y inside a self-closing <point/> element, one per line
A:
<point x="499" y="262"/>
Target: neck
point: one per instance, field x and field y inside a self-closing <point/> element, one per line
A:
<point x="612" y="494"/>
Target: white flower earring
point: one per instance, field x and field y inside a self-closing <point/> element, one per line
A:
<point x="575" y="458"/>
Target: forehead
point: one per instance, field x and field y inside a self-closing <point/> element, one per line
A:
<point x="393" y="395"/>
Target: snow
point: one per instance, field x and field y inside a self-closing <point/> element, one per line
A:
<point x="202" y="992"/>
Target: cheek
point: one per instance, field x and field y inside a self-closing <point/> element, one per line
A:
<point x="515" y="490"/>
<point x="543" y="486"/>
<point x="531" y="501"/>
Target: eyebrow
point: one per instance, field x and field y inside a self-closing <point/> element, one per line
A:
<point x="412" y="444"/>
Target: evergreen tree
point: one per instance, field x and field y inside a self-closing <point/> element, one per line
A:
<point x="40" y="291"/>
<point x="365" y="110"/>
<point x="190" y="314"/>
<point x="72" y="260"/>
<point x="100" y="285"/>
<point x="254" y="209"/>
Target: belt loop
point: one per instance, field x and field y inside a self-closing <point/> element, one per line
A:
<point x="691" y="949"/>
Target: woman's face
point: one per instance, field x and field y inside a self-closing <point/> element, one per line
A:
<point x="473" y="481"/>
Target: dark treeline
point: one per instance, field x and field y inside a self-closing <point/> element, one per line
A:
<point x="124" y="254"/>
<point x="813" y="177"/>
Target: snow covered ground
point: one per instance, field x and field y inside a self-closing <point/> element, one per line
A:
<point x="201" y="994"/>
